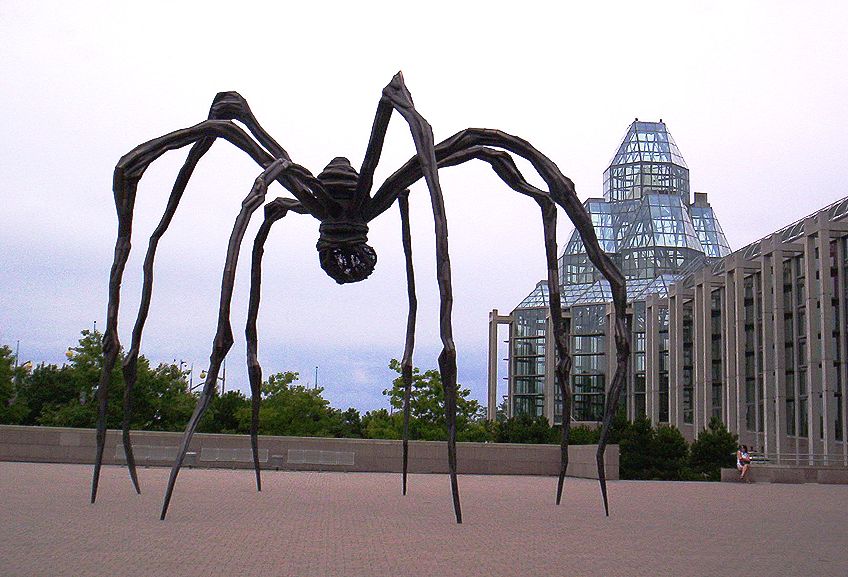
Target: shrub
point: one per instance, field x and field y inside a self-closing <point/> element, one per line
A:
<point x="582" y="435"/>
<point x="635" y="444"/>
<point x="713" y="449"/>
<point x="525" y="429"/>
<point x="669" y="453"/>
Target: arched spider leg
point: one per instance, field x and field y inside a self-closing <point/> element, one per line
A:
<point x="397" y="94"/>
<point x="503" y="165"/>
<point x="409" y="344"/>
<point x="561" y="191"/>
<point x="274" y="211"/>
<point x="225" y="106"/>
<point x="128" y="173"/>
<point x="224" y="335"/>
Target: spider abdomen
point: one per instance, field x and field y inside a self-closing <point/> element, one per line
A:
<point x="347" y="263"/>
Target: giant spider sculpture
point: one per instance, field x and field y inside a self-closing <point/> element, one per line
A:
<point x="341" y="199"/>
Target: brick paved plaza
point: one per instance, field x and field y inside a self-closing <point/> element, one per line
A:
<point x="306" y="523"/>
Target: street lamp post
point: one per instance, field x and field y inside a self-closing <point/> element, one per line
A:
<point x="222" y="378"/>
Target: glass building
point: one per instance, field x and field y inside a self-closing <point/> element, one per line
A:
<point x="647" y="222"/>
<point x="756" y="337"/>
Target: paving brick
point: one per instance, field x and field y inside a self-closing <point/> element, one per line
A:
<point x="358" y="524"/>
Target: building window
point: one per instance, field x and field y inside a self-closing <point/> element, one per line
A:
<point x="716" y="353"/>
<point x="528" y="362"/>
<point x="688" y="368"/>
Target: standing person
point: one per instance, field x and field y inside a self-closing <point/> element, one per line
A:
<point x="743" y="463"/>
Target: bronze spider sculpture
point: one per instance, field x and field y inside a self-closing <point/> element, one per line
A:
<point x="341" y="199"/>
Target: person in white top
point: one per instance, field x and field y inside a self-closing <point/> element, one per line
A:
<point x="743" y="463"/>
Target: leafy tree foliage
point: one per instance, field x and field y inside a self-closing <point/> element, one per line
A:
<point x="651" y="453"/>
<point x="670" y="453"/>
<point x="713" y="449"/>
<point x="380" y="424"/>
<point x="348" y="424"/>
<point x="12" y="409"/>
<point x="526" y="429"/>
<point x="227" y="413"/>
<point x="65" y="396"/>
<point x="426" y="405"/>
<point x="293" y="410"/>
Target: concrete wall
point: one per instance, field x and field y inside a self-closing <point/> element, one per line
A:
<point x="65" y="445"/>
<point x="793" y="474"/>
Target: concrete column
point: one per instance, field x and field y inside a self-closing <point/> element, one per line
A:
<point x="738" y="330"/>
<point x="843" y="323"/>
<point x="729" y="367"/>
<point x="701" y="340"/>
<point x="813" y="348"/>
<point x="652" y="358"/>
<point x="759" y="373"/>
<point x="676" y="306"/>
<point x="779" y="366"/>
<point x="767" y="286"/>
<point x="675" y="356"/>
<point x="492" y="365"/>
<point x="828" y="352"/>
<point x="492" y="372"/>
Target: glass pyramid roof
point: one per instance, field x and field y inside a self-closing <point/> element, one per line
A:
<point x="645" y="222"/>
<point x="647" y="161"/>
<point x="648" y="142"/>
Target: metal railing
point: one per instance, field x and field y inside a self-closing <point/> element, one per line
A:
<point x="801" y="459"/>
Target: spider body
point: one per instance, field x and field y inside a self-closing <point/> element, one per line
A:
<point x="340" y="198"/>
<point x="342" y="246"/>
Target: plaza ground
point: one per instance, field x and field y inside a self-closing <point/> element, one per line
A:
<point x="313" y="523"/>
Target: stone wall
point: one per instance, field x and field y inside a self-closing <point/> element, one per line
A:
<point x="65" y="445"/>
<point x="793" y="474"/>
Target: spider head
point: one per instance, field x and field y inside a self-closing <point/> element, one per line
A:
<point x="342" y="248"/>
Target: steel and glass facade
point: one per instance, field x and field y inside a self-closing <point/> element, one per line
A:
<point x="757" y="337"/>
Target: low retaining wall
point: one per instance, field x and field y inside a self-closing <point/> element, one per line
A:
<point x="795" y="474"/>
<point x="66" y="445"/>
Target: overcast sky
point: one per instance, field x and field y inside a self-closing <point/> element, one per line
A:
<point x="754" y="93"/>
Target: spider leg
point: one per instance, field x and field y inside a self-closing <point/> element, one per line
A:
<point x="422" y="134"/>
<point x="362" y="198"/>
<point x="561" y="191"/>
<point x="128" y="172"/>
<point x="503" y="165"/>
<point x="274" y="211"/>
<point x="225" y="106"/>
<point x="224" y="334"/>
<point x="406" y="363"/>
<point x="130" y="364"/>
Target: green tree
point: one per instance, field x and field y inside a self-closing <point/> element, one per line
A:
<point x="635" y="444"/>
<point x="669" y="453"/>
<point x="646" y="452"/>
<point x="526" y="429"/>
<point x="502" y="411"/>
<point x="347" y="424"/>
<point x="291" y="409"/>
<point x="427" y="404"/>
<point x="713" y="449"/>
<point x="66" y="396"/>
<point x="380" y="424"/>
<point x="227" y="413"/>
<point x="582" y="435"/>
<point x="12" y="408"/>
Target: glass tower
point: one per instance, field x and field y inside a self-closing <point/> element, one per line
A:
<point x="655" y="232"/>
